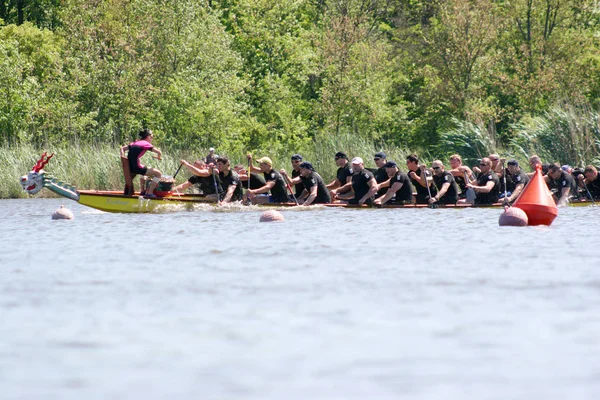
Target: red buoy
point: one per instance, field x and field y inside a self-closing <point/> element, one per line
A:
<point x="536" y="200"/>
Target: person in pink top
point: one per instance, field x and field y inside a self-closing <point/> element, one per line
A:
<point x="135" y="152"/>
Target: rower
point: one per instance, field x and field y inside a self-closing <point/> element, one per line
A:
<point x="381" y="175"/>
<point x="400" y="189"/>
<point x="516" y="180"/>
<point x="298" y="186"/>
<point x="564" y="183"/>
<point x="590" y="179"/>
<point x="343" y="180"/>
<point x="230" y="181"/>
<point x="314" y="191"/>
<point x="419" y="175"/>
<point x="202" y="178"/>
<point x="444" y="180"/>
<point x="256" y="180"/>
<point x="487" y="188"/>
<point x="462" y="174"/>
<point x="274" y="183"/>
<point x="364" y="185"/>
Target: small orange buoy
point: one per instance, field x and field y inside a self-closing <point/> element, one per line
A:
<point x="63" y="213"/>
<point x="537" y="202"/>
<point x="513" y="216"/>
<point x="271" y="216"/>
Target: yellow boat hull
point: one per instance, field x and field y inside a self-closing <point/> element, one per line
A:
<point x="111" y="201"/>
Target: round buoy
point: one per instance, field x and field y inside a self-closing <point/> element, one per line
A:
<point x="513" y="216"/>
<point x="63" y="213"/>
<point x="271" y="216"/>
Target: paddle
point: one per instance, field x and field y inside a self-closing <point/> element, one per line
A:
<point x="430" y="205"/>
<point x="215" y="183"/>
<point x="588" y="192"/>
<point x="287" y="183"/>
<point x="178" y="169"/>
<point x="505" y="188"/>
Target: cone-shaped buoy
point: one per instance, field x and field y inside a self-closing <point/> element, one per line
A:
<point x="271" y="216"/>
<point x="536" y="200"/>
<point x="513" y="216"/>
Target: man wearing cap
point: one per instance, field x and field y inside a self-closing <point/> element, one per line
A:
<point x="343" y="180"/>
<point x="590" y="179"/>
<point x="444" y="180"/>
<point x="315" y="191"/>
<point x="400" y="190"/>
<point x="516" y="180"/>
<point x="564" y="183"/>
<point x="230" y="181"/>
<point x="364" y="185"/>
<point x="418" y="177"/>
<point x="297" y="183"/>
<point x="487" y="187"/>
<point x="380" y="173"/>
<point x="274" y="183"/>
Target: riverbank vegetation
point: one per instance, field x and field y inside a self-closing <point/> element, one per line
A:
<point x="279" y="77"/>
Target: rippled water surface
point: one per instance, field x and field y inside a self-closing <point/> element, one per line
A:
<point x="330" y="304"/>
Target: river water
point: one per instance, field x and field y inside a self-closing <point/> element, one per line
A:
<point x="330" y="304"/>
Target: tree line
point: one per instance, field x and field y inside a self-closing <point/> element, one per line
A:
<point x="429" y="75"/>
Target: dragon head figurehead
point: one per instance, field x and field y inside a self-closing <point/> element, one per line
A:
<point x="33" y="182"/>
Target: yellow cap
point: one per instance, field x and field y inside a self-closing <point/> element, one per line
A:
<point x="265" y="160"/>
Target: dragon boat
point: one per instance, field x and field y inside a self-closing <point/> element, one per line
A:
<point x="118" y="202"/>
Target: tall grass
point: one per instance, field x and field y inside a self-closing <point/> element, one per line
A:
<point x="99" y="167"/>
<point x="565" y="134"/>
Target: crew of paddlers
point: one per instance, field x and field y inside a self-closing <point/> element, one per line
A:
<point x="492" y="180"/>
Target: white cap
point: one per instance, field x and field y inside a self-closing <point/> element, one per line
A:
<point x="211" y="149"/>
<point x="357" y="160"/>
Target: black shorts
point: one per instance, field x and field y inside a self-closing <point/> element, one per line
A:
<point x="135" y="170"/>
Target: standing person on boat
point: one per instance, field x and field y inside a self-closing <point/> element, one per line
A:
<point x="230" y="180"/>
<point x="381" y="175"/>
<point x="201" y="177"/>
<point x="400" y="190"/>
<point x="274" y="184"/>
<point x="564" y="183"/>
<point x="590" y="179"/>
<point x="444" y="180"/>
<point x="211" y="157"/>
<point x="487" y="189"/>
<point x="315" y="191"/>
<point x="462" y="174"/>
<point x="516" y="180"/>
<point x="256" y="180"/>
<point x="135" y="152"/>
<point x="343" y="180"/>
<point x="364" y="185"/>
<point x="418" y="177"/>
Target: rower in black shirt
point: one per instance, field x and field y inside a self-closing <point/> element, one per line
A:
<point x="343" y="180"/>
<point x="565" y="184"/>
<point x="487" y="189"/>
<point x="381" y="175"/>
<point x="274" y="183"/>
<point x="590" y="179"/>
<point x="516" y="180"/>
<point x="230" y="181"/>
<point x="418" y="176"/>
<point x="298" y="185"/>
<point x="364" y="185"/>
<point x="202" y="179"/>
<point x="315" y="191"/>
<point x="400" y="189"/>
<point x="445" y="183"/>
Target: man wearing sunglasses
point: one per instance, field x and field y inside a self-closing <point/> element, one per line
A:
<point x="420" y="179"/>
<point x="487" y="189"/>
<point x="444" y="180"/>
<point x="516" y="180"/>
<point x="296" y="181"/>
<point x="380" y="173"/>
